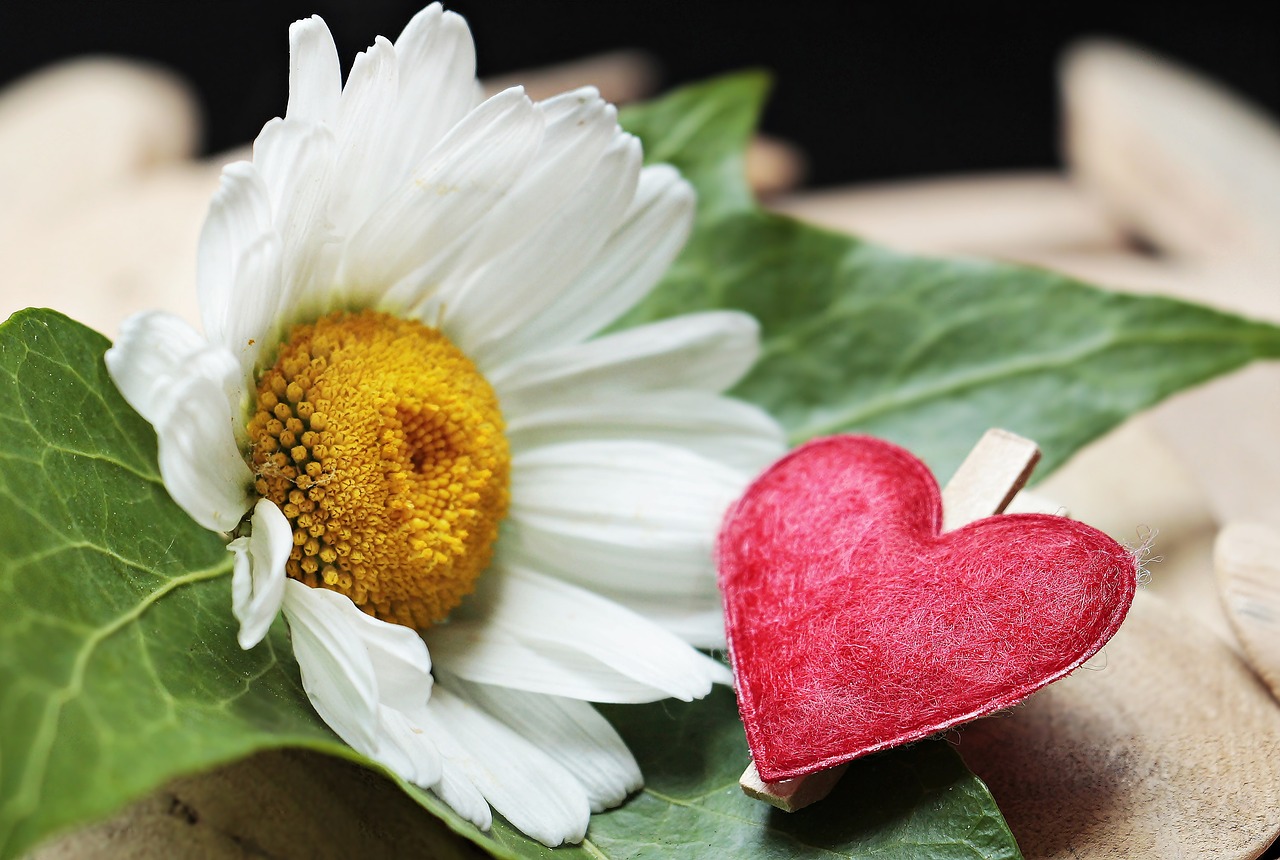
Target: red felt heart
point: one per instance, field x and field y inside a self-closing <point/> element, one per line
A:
<point x="855" y="626"/>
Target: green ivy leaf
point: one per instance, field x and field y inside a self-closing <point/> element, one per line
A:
<point x="927" y="353"/>
<point x="119" y="667"/>
<point x="914" y="802"/>
<point x="114" y="651"/>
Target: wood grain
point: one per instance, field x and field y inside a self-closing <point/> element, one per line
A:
<point x="283" y="804"/>
<point x="1247" y="569"/>
<point x="1164" y="746"/>
<point x="997" y="214"/>
<point x="1192" y="167"/>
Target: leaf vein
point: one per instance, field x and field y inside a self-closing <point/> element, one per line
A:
<point x="27" y="797"/>
<point x="879" y="406"/>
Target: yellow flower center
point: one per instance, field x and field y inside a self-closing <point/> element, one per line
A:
<point x="384" y="447"/>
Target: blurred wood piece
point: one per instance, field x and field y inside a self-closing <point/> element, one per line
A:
<point x="1247" y="565"/>
<point x="285" y="805"/>
<point x="1170" y="749"/>
<point x="1196" y="170"/>
<point x="999" y="214"/>
<point x="1226" y="433"/>
<point x="121" y="251"/>
<point x="773" y="166"/>
<point x="1191" y="166"/>
<point x="100" y="205"/>
<point x="620" y="76"/>
<point x="85" y="126"/>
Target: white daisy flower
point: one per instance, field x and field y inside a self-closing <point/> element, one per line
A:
<point x="400" y="297"/>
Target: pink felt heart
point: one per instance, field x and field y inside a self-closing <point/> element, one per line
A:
<point x="855" y="626"/>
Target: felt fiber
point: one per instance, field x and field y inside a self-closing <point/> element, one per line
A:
<point x="854" y="625"/>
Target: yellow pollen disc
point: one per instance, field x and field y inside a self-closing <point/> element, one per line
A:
<point x="384" y="447"/>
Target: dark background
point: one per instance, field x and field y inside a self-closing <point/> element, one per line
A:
<point x="870" y="90"/>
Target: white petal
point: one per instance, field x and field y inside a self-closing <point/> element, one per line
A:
<point x="483" y="653"/>
<point x="315" y="78"/>
<point x="666" y="585"/>
<point x="251" y="321"/>
<point x="639" y="531"/>
<point x="400" y="660"/>
<point x="510" y="245"/>
<point x="295" y="161"/>
<point x="283" y="153"/>
<point x="698" y="622"/>
<point x="705" y="351"/>
<point x="257" y="585"/>
<point x="547" y="615"/>
<point x="199" y="459"/>
<point x="578" y="127"/>
<point x="462" y="796"/>
<point x="571" y="732"/>
<point x="554" y="222"/>
<point x="534" y="792"/>
<point x="737" y="434"/>
<point x="153" y="349"/>
<point x="635" y="514"/>
<point x="366" y="114"/>
<point x="368" y="679"/>
<point x="623" y="272"/>
<point x="674" y="567"/>
<point x="454" y="787"/>
<point x="336" y="670"/>
<point x="437" y="79"/>
<point x="184" y="388"/>
<point x="238" y="273"/>
<point x="406" y="747"/>
<point x="454" y="187"/>
<point x="239" y="216"/>
<point x="487" y="321"/>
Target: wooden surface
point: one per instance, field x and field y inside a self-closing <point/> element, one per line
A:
<point x="1164" y="745"/>
<point x="285" y="804"/>
<point x="989" y="215"/>
<point x="1247" y="564"/>
<point x="1192" y="166"/>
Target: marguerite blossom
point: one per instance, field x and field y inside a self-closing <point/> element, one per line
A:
<point x="476" y="513"/>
